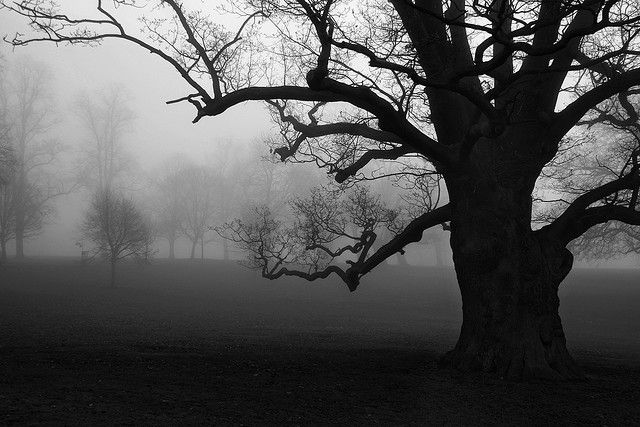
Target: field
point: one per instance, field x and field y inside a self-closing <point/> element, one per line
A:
<point x="211" y="343"/>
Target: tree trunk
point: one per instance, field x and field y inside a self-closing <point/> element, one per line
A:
<point x="509" y="277"/>
<point x="3" y="250"/>
<point x="19" y="239"/>
<point x="113" y="274"/>
<point x="194" y="243"/>
<point x="20" y="214"/>
<point x="172" y="253"/>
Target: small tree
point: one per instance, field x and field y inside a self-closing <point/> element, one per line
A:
<point x="117" y="228"/>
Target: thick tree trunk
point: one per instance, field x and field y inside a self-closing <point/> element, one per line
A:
<point x="3" y="250"/>
<point x="509" y="277"/>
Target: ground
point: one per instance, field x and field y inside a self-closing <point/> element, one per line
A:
<point x="211" y="343"/>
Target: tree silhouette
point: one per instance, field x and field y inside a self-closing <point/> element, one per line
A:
<point x="29" y="114"/>
<point x="484" y="91"/>
<point x="200" y="201"/>
<point x="118" y="229"/>
<point x="7" y="158"/>
<point x="167" y="201"/>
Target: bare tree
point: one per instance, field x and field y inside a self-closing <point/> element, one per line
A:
<point x="7" y="219"/>
<point x="327" y="225"/>
<point x="7" y="158"/>
<point x="117" y="228"/>
<point x="604" y="154"/>
<point x="35" y="209"/>
<point x="30" y="117"/>
<point x="7" y="164"/>
<point x="107" y="119"/>
<point x="200" y="201"/>
<point x="484" y="91"/>
<point x="168" y="201"/>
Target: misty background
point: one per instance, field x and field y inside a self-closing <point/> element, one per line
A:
<point x="154" y="138"/>
<point x="157" y="132"/>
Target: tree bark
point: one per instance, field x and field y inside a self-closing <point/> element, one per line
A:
<point x="3" y="250"/>
<point x="509" y="277"/>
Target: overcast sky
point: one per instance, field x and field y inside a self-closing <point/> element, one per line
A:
<point x="161" y="128"/>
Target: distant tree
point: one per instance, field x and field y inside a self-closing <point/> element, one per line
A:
<point x="609" y="151"/>
<point x="7" y="218"/>
<point x="117" y="228"/>
<point x="107" y="119"/>
<point x="200" y="200"/>
<point x="167" y="202"/>
<point x="273" y="182"/>
<point x="7" y="157"/>
<point x="7" y="164"/>
<point x="30" y="116"/>
<point x="35" y="207"/>
<point x="254" y="177"/>
<point x="483" y="90"/>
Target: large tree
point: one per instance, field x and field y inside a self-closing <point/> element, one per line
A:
<point x="484" y="91"/>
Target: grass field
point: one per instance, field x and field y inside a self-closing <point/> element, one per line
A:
<point x="211" y="343"/>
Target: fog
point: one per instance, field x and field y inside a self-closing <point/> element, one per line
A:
<point x="158" y="131"/>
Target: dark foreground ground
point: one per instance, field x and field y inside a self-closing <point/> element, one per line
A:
<point x="210" y="343"/>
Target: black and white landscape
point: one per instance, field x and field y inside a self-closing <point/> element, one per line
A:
<point x="320" y="212"/>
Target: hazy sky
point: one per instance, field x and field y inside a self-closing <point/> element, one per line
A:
<point x="161" y="128"/>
